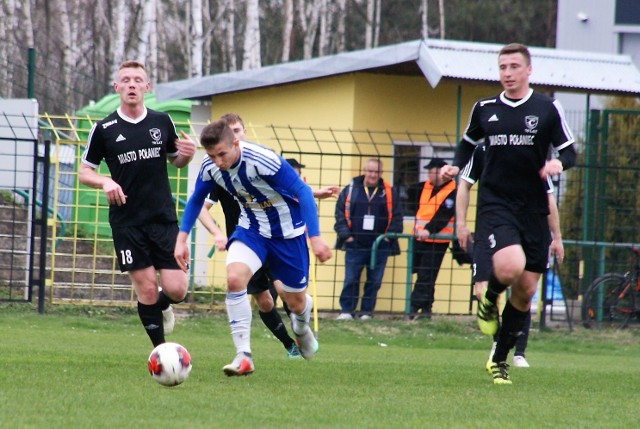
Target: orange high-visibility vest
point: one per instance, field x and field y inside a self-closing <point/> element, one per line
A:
<point x="428" y="207"/>
<point x="389" y="197"/>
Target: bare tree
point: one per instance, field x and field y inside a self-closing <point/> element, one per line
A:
<point x="118" y="41"/>
<point x="326" y="21"/>
<point x="251" y="58"/>
<point x="368" y="32"/>
<point x="424" y="30"/>
<point x="197" y="39"/>
<point x="148" y="39"/>
<point x="308" y="14"/>
<point x="7" y="28"/>
<point x="287" y="11"/>
<point x="340" y="36"/>
<point x="230" y="33"/>
<point x="376" y="24"/>
<point x="208" y="37"/>
<point x="69" y="49"/>
<point x="372" y="26"/>
<point x="26" y="24"/>
<point x="441" y="13"/>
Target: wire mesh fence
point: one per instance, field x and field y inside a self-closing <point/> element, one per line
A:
<point x="597" y="199"/>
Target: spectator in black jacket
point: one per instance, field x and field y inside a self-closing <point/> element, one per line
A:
<point x="367" y="207"/>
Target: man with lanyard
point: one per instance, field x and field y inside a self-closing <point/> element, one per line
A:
<point x="366" y="208"/>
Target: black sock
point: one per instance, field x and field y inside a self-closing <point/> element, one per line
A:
<point x="273" y="321"/>
<point x="513" y="322"/>
<point x="164" y="301"/>
<point x="151" y="318"/>
<point x="494" y="289"/>
<point x="522" y="340"/>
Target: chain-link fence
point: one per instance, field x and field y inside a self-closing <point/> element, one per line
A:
<point x="597" y="199"/>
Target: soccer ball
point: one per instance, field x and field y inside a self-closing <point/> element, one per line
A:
<point x="169" y="364"/>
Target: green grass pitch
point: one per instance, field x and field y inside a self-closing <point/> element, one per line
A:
<point x="86" y="368"/>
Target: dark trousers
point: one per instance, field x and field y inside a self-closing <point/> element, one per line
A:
<point x="356" y="260"/>
<point x="427" y="258"/>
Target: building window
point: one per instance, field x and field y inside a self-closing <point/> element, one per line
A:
<point x="627" y="12"/>
<point x="409" y="159"/>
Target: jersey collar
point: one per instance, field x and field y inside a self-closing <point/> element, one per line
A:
<point x="133" y="120"/>
<point x="517" y="103"/>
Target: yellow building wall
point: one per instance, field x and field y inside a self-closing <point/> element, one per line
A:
<point x="357" y="101"/>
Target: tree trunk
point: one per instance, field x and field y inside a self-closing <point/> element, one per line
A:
<point x="441" y="12"/>
<point x="7" y="34"/>
<point x="251" y="58"/>
<point x="311" y="26"/>
<point x="197" y="39"/>
<point x="208" y="37"/>
<point x="341" y="26"/>
<point x="117" y="44"/>
<point x="68" y="50"/>
<point x="424" y="30"/>
<point x="376" y="24"/>
<point x="287" y="30"/>
<point x="231" y="34"/>
<point x="27" y="25"/>
<point x="368" y="32"/>
<point x="326" y="20"/>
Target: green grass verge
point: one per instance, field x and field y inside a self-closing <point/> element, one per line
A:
<point x="86" y="368"/>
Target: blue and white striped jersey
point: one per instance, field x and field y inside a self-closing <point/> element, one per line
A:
<point x="274" y="201"/>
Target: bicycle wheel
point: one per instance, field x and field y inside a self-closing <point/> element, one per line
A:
<point x="609" y="301"/>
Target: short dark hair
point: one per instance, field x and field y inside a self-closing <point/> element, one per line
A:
<point x="232" y="118"/>
<point x="214" y="133"/>
<point x="516" y="48"/>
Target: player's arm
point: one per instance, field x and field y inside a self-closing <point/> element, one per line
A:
<point x="191" y="212"/>
<point x="472" y="138"/>
<point x="205" y="218"/>
<point x="326" y="192"/>
<point x="556" y="248"/>
<point x="287" y="178"/>
<point x="462" y="207"/>
<point x="87" y="174"/>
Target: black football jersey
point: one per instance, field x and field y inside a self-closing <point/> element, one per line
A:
<point x="136" y="155"/>
<point x="229" y="205"/>
<point x="518" y="135"/>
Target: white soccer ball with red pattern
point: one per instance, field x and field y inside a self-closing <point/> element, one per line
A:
<point x="169" y="364"/>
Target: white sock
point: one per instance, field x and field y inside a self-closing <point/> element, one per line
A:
<point x="239" y="313"/>
<point x="299" y="322"/>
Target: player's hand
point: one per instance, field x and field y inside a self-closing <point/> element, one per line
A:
<point x="114" y="193"/>
<point x="557" y="249"/>
<point x="464" y="235"/>
<point x="479" y="288"/>
<point x="448" y="172"/>
<point x="181" y="252"/>
<point x="552" y="167"/>
<point x="421" y="234"/>
<point x="320" y="248"/>
<point x="326" y="192"/>
<point x="220" y="241"/>
<point x="186" y="146"/>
